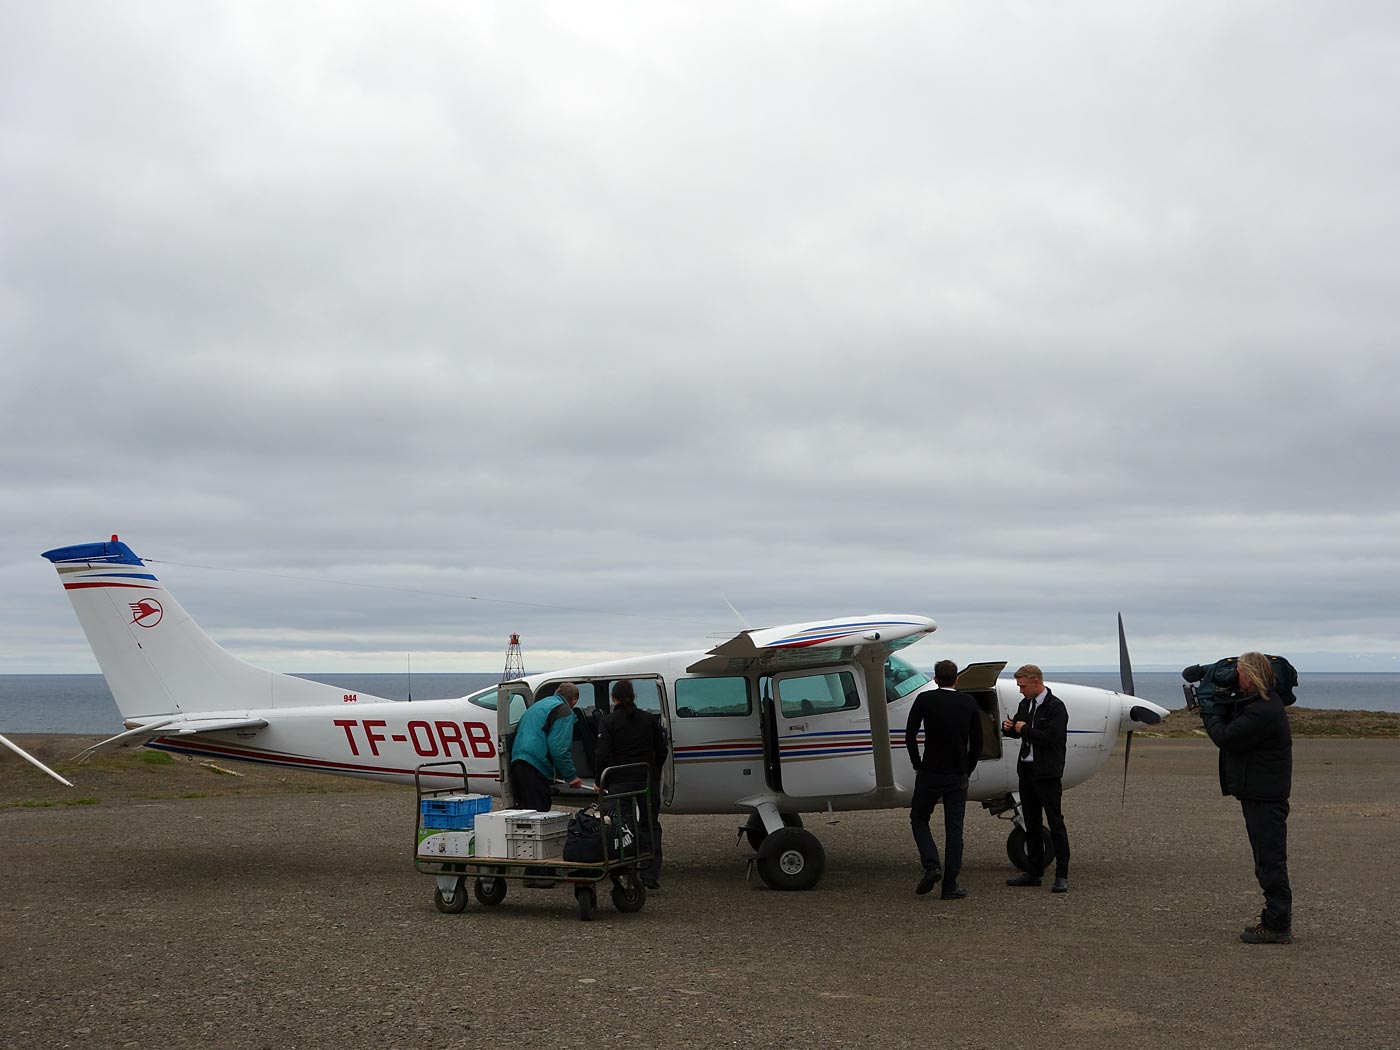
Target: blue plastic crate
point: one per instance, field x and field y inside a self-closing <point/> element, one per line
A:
<point x="461" y="822"/>
<point x="454" y="811"/>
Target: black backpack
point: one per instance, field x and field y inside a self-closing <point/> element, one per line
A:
<point x="1217" y="685"/>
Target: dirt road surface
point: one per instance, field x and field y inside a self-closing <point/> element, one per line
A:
<point x="277" y="917"/>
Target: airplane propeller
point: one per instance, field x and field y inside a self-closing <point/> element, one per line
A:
<point x="1137" y="712"/>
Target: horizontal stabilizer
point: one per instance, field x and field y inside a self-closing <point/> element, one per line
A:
<point x="170" y="727"/>
<point x="33" y="761"/>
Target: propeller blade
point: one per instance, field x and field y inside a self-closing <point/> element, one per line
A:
<point x="1125" y="666"/>
<point x="1128" y="750"/>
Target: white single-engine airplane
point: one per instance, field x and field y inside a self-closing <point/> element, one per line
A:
<point x="774" y="722"/>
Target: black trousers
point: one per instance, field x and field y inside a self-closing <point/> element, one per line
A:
<point x="529" y="787"/>
<point x="1041" y="795"/>
<point x="929" y="790"/>
<point x="1267" y="824"/>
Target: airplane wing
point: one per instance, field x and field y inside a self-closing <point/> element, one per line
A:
<point x="814" y="644"/>
<point x="176" y="726"/>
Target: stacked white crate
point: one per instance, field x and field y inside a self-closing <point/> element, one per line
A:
<point x="521" y="834"/>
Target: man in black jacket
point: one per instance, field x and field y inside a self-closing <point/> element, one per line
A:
<point x="1256" y="766"/>
<point x="1041" y="723"/>
<point x="952" y="745"/>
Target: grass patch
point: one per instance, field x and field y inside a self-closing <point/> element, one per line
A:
<point x="195" y="794"/>
<point x="155" y="758"/>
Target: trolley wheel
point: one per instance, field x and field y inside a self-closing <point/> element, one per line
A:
<point x="490" y="891"/>
<point x="756" y="832"/>
<point x="791" y="859"/>
<point x="457" y="901"/>
<point x="587" y="902"/>
<point x="628" y="894"/>
<point x="1016" y="848"/>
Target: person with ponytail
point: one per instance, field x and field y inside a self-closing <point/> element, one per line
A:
<point x="631" y="735"/>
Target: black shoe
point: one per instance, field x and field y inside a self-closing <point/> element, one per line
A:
<point x="1261" y="934"/>
<point x="652" y="884"/>
<point x="1024" y="879"/>
<point x="954" y="893"/>
<point x="1060" y="885"/>
<point x="537" y="884"/>
<point x="927" y="883"/>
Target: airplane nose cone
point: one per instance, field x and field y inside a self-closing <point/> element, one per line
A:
<point x="1139" y="714"/>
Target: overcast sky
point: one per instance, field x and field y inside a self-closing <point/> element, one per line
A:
<point x="1011" y="315"/>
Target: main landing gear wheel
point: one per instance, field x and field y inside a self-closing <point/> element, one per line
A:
<point x="490" y="891"/>
<point x="587" y="902"/>
<point x="791" y="859"/>
<point x="1016" y="848"/>
<point x="454" y="902"/>
<point x="756" y="832"/>
<point x="628" y="894"/>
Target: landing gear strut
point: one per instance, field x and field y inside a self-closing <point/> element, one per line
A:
<point x="756" y="832"/>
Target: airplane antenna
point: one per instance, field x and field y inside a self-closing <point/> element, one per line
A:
<point x="515" y="660"/>
<point x="410" y="677"/>
<point x="747" y="626"/>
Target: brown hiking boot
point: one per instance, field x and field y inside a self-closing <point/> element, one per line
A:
<point x="1261" y="934"/>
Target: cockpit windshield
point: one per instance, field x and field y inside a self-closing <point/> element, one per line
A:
<point x="901" y="679"/>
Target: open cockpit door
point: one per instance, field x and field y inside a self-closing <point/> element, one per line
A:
<point x="979" y="681"/>
<point x="511" y="700"/>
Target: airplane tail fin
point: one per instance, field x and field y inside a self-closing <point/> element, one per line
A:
<point x="156" y="659"/>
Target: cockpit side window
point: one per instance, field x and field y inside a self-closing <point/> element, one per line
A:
<point x="901" y="679"/>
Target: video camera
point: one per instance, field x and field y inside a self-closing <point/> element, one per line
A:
<point x="1215" y="688"/>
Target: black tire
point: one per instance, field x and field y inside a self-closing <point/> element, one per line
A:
<point x="458" y="901"/>
<point x="490" y="891"/>
<point x="628" y="894"/>
<point x="1016" y="848"/>
<point x="756" y="832"/>
<point x="791" y="859"/>
<point x="587" y="902"/>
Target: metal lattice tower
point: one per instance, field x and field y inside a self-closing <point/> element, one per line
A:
<point x="515" y="661"/>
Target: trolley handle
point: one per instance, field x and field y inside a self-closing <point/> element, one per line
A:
<point x="418" y="777"/>
<point x="620" y="770"/>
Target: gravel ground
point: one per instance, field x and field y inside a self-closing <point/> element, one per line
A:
<point x="296" y="919"/>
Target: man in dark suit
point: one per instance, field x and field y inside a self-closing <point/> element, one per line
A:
<point x="1041" y="723"/>
<point x="952" y="745"/>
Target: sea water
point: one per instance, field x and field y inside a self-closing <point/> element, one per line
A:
<point x="81" y="703"/>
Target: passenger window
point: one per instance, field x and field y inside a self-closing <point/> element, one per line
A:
<point x="818" y="694"/>
<point x="713" y="698"/>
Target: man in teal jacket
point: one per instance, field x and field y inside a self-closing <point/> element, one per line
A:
<point x="543" y="749"/>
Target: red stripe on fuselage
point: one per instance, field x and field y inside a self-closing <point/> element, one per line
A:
<point x="282" y="758"/>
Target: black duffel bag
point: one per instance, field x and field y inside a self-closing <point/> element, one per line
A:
<point x="583" y="841"/>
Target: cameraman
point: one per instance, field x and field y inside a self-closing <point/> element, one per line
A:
<point x="1256" y="766"/>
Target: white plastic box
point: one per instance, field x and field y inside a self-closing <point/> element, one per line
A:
<point x="491" y="831"/>
<point x="522" y="834"/>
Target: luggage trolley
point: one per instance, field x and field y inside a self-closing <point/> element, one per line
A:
<point x="621" y="861"/>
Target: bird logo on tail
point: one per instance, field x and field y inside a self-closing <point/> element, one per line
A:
<point x="146" y="613"/>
